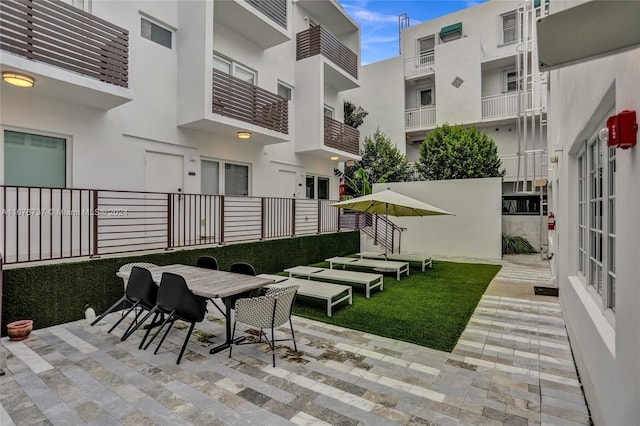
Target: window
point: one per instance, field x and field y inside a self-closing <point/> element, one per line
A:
<point x="425" y="97"/>
<point x="79" y="4"/>
<point x="285" y="91"/>
<point x="155" y="33"/>
<point x="236" y="179"/>
<point x="323" y="188"/>
<point x="426" y="50"/>
<point x="210" y="177"/>
<point x="328" y="111"/>
<point x="34" y="160"/>
<point x="509" y="21"/>
<point x="510" y="81"/>
<point x="596" y="166"/>
<point x="322" y="185"/>
<point x="214" y="174"/>
<point x="451" y="32"/>
<point x="230" y="67"/>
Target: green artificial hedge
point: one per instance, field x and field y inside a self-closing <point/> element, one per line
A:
<point x="56" y="294"/>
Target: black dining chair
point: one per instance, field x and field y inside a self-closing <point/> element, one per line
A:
<point x="208" y="262"/>
<point x="141" y="292"/>
<point x="176" y="302"/>
<point x="269" y="311"/>
<point x="244" y="269"/>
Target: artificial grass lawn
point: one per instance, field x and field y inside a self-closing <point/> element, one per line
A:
<point x="428" y="308"/>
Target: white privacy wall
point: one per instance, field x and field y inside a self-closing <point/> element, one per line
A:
<point x="474" y="231"/>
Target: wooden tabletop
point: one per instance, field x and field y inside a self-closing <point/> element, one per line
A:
<point x="208" y="282"/>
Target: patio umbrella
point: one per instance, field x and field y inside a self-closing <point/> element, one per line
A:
<point x="391" y="203"/>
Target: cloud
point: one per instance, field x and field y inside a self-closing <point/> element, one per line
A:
<point x="364" y="16"/>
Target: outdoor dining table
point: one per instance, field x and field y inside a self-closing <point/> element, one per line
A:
<point x="211" y="284"/>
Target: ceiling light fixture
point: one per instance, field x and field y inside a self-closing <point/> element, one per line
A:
<point x="334" y="157"/>
<point x="244" y="135"/>
<point x="19" y="80"/>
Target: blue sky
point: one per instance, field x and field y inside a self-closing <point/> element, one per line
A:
<point x="378" y="20"/>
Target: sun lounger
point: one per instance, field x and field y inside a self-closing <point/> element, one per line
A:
<point x="398" y="267"/>
<point x="424" y="259"/>
<point x="319" y="290"/>
<point x="370" y="281"/>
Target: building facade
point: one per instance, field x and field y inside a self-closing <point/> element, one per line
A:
<point x="238" y="97"/>
<point x="594" y="197"/>
<point x="476" y="67"/>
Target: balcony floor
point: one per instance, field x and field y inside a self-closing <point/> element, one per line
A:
<point x="512" y="365"/>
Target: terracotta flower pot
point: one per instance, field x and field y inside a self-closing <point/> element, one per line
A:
<point x="19" y="330"/>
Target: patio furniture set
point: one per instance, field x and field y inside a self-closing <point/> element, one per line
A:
<point x="181" y="292"/>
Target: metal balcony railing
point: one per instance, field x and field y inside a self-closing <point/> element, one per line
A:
<point x="505" y="105"/>
<point x="422" y="117"/>
<point x="61" y="35"/>
<point x="276" y="10"/>
<point x="238" y="99"/>
<point x="52" y="223"/>
<point x="533" y="164"/>
<point x="341" y="136"/>
<point x="318" y="41"/>
<point x="420" y="65"/>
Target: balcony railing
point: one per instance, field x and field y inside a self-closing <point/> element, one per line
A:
<point x="536" y="166"/>
<point x="318" y="41"/>
<point x="420" y="65"/>
<point x="504" y="105"/>
<point x="61" y="35"/>
<point x="341" y="136"/>
<point x="276" y="10"/>
<point x="238" y="99"/>
<point x="417" y="118"/>
<point x="51" y="223"/>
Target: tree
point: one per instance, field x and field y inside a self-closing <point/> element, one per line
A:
<point x="454" y="152"/>
<point x="354" y="116"/>
<point x="381" y="162"/>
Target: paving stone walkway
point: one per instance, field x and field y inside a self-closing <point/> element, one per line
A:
<point x="512" y="365"/>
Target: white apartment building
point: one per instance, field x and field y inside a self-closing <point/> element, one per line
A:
<point x="235" y="97"/>
<point x="476" y="67"/>
<point x="593" y="193"/>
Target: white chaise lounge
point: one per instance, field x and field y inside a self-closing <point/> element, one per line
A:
<point x="398" y="267"/>
<point x="370" y="281"/>
<point x="316" y="289"/>
<point x="424" y="259"/>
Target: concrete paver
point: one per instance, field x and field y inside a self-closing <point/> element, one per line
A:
<point x="512" y="365"/>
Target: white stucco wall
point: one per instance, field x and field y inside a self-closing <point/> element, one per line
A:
<point x="526" y="226"/>
<point x="606" y="345"/>
<point x="475" y="230"/>
<point x="382" y="95"/>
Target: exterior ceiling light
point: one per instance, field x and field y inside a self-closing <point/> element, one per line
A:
<point x="244" y="135"/>
<point x="19" y="80"/>
<point x="334" y="157"/>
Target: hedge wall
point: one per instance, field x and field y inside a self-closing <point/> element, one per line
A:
<point x="56" y="294"/>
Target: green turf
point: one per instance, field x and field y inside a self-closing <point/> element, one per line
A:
<point x="428" y="308"/>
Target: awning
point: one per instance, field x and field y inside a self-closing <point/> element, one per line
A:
<point x="450" y="29"/>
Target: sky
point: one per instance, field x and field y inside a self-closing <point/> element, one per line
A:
<point x="378" y="20"/>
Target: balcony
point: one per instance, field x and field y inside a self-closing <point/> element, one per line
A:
<point x="420" y="66"/>
<point x="242" y="101"/>
<point x="504" y="105"/>
<point x="341" y="136"/>
<point x="72" y="54"/>
<point x="343" y="74"/>
<point x="533" y="166"/>
<point x="263" y="22"/>
<point x="420" y="118"/>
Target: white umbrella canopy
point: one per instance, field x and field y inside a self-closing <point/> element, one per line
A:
<point x="391" y="203"/>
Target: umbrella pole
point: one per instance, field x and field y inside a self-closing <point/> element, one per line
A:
<point x="386" y="230"/>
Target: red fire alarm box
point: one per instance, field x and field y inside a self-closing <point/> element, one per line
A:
<point x="623" y="129"/>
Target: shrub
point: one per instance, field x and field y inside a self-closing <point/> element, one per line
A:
<point x="516" y="244"/>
